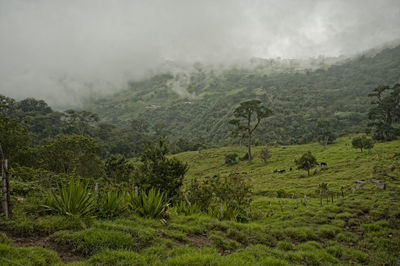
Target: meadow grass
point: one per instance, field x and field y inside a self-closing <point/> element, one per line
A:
<point x="358" y="227"/>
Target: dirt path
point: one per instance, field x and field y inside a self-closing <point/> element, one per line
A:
<point x="64" y="252"/>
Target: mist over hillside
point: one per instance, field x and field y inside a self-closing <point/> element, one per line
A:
<point x="200" y="102"/>
<point x="64" y="51"/>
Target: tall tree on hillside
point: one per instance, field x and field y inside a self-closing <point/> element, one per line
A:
<point x="80" y="122"/>
<point x="13" y="136"/>
<point x="140" y="126"/>
<point x="248" y="116"/>
<point x="324" y="132"/>
<point x="385" y="112"/>
<point x="72" y="154"/>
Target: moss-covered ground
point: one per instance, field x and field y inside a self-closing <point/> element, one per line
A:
<point x="350" y="226"/>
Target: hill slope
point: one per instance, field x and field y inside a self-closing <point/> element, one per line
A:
<point x="359" y="227"/>
<point x="199" y="104"/>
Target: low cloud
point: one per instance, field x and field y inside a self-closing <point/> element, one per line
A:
<point x="61" y="51"/>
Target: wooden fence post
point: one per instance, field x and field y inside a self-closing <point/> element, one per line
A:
<point x="96" y="190"/>
<point x="305" y="200"/>
<point x="320" y="198"/>
<point x="5" y="188"/>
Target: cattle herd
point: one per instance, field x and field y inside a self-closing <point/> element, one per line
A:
<point x="281" y="171"/>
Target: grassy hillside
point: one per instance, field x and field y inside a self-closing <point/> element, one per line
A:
<point x="199" y="103"/>
<point x="360" y="227"/>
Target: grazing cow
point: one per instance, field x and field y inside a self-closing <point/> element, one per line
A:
<point x="323" y="164"/>
<point x="282" y="171"/>
<point x="291" y="169"/>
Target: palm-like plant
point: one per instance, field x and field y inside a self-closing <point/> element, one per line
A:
<point x="152" y="204"/>
<point x="184" y="208"/>
<point x="71" y="199"/>
<point x="111" y="204"/>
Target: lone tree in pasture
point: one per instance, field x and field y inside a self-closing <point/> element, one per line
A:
<point x="306" y="162"/>
<point x="248" y="116"/>
<point x="362" y="143"/>
<point x="385" y="112"/>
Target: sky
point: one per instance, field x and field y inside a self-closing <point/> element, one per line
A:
<point x="62" y="51"/>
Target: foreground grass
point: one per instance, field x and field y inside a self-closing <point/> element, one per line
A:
<point x="359" y="227"/>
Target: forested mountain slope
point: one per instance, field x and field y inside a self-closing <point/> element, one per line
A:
<point x="200" y="103"/>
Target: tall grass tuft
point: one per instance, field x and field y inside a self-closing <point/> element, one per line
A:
<point x="71" y="199"/>
<point x="151" y="205"/>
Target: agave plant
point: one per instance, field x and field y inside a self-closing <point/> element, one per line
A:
<point x="224" y="212"/>
<point x="71" y="199"/>
<point x="152" y="204"/>
<point x="111" y="204"/>
<point x="184" y="208"/>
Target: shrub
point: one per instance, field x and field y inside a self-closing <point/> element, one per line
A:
<point x="200" y="192"/>
<point x="233" y="190"/>
<point x="265" y="155"/>
<point x="118" y="169"/>
<point x="152" y="204"/>
<point x="159" y="172"/>
<point x="72" y="199"/>
<point x="230" y="159"/>
<point x="281" y="193"/>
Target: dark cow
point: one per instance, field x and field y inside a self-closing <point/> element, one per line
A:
<point x="290" y="169"/>
<point x="282" y="171"/>
<point x="323" y="164"/>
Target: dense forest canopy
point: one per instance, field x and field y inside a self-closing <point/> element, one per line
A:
<point x="199" y="104"/>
